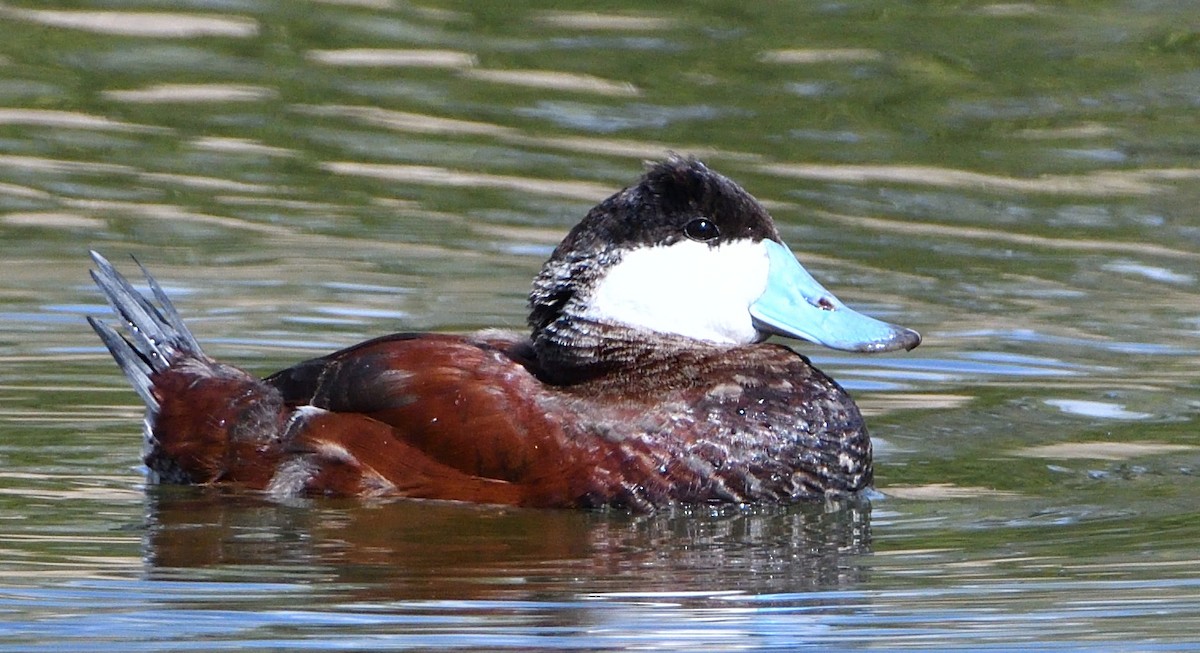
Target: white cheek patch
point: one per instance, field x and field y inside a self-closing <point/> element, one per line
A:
<point x="688" y="289"/>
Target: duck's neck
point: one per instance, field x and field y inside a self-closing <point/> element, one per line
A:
<point x="575" y="350"/>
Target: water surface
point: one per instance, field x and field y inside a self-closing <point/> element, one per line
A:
<point x="1018" y="181"/>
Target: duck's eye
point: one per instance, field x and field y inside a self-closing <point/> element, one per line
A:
<point x="701" y="229"/>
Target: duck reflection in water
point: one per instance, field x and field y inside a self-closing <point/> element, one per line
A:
<point x="644" y="381"/>
<point x="391" y="550"/>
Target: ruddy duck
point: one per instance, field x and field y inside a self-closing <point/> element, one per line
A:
<point x="645" y="380"/>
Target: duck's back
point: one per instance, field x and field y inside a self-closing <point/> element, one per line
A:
<point x="465" y="406"/>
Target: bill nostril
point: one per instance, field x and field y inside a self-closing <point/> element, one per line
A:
<point x="825" y="304"/>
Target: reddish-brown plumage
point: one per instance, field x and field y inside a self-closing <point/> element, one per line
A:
<point x="210" y="419"/>
<point x="456" y="418"/>
<point x="460" y="409"/>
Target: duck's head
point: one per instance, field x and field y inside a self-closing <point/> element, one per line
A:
<point x="687" y="253"/>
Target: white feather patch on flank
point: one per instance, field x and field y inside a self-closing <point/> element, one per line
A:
<point x="688" y="289"/>
<point x="291" y="478"/>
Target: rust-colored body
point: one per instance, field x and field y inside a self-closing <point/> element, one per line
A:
<point x="468" y="419"/>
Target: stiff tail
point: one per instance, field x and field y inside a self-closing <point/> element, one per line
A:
<point x="154" y="337"/>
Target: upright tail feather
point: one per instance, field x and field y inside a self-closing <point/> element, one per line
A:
<point x="205" y="421"/>
<point x="154" y="337"/>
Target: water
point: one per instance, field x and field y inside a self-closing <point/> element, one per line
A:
<point x="1017" y="181"/>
